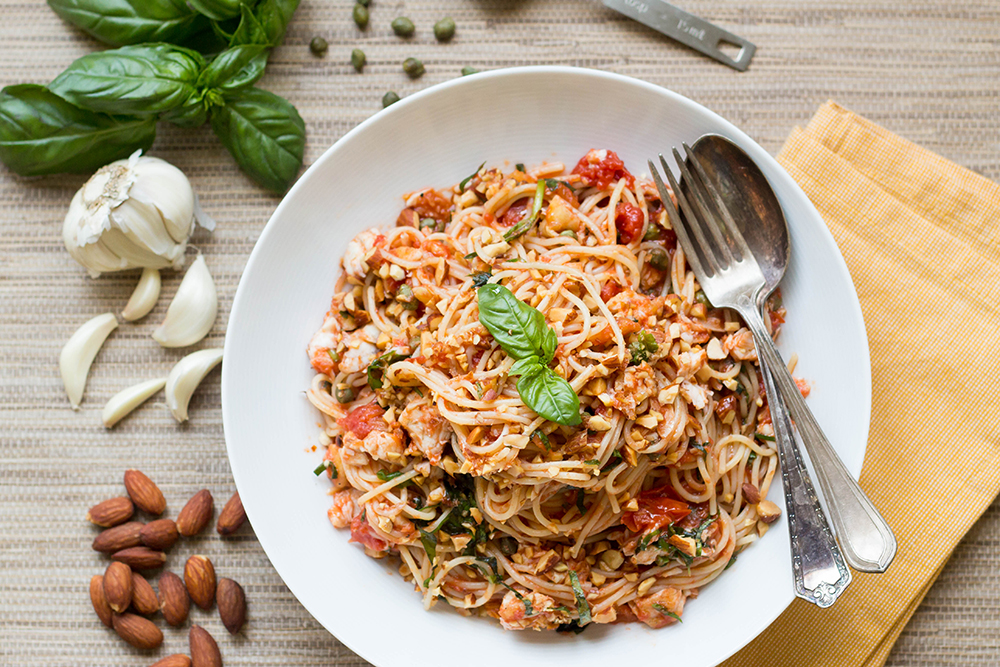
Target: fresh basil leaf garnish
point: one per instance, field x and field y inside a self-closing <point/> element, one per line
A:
<point x="582" y="606"/>
<point x="235" y="68"/>
<point x="465" y="181"/>
<point x="217" y="10"/>
<point x="265" y="134"/>
<point x="519" y="329"/>
<point x="41" y="133"/>
<point x="142" y="80"/>
<point x="482" y="277"/>
<point x="376" y="369"/>
<point x="124" y="22"/>
<point x="550" y="396"/>
<point x="429" y="541"/>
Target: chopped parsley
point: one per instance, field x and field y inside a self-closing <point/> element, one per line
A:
<point x="386" y="476"/>
<point x="643" y="346"/>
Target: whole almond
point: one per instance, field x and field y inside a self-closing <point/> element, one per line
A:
<point x="120" y="537"/>
<point x="100" y="602"/>
<point x="118" y="586"/>
<point x="111" y="512"/>
<point x="196" y="514"/>
<point x="751" y="493"/>
<point x="160" y="534"/>
<point x="143" y="596"/>
<point x="140" y="558"/>
<point x="174" y="599"/>
<point x="232" y="516"/>
<point x="138" y="631"/>
<point x="232" y="603"/>
<point x="767" y="511"/>
<point x="144" y="493"/>
<point x="204" y="650"/>
<point x="175" y="660"/>
<point x="199" y="578"/>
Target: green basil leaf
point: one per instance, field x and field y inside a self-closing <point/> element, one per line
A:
<point x="249" y="30"/>
<point x="376" y="369"/>
<point x="122" y="22"/>
<point x="41" y="133"/>
<point x="217" y="10"/>
<point x="235" y="68"/>
<point x="429" y="540"/>
<point x="582" y="606"/>
<point x="273" y="17"/>
<point x="264" y="133"/>
<point x="142" y="80"/>
<point x="524" y="366"/>
<point x="550" y="396"/>
<point x="519" y="329"/>
<point x="465" y="181"/>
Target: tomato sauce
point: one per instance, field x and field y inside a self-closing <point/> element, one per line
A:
<point x="657" y="509"/>
<point x="515" y="212"/>
<point x="601" y="168"/>
<point x="363" y="420"/>
<point x="628" y="220"/>
<point x="362" y="533"/>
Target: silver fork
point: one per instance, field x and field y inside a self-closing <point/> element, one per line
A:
<point x="730" y="277"/>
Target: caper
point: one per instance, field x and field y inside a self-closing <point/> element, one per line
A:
<point x="405" y="297"/>
<point x="389" y="98"/>
<point x="466" y="71"/>
<point x="702" y="298"/>
<point x="344" y="394"/>
<point x="413" y="68"/>
<point x="652" y="233"/>
<point x="658" y="260"/>
<point x="428" y="223"/>
<point x="508" y="545"/>
<point x="358" y="59"/>
<point x="569" y="233"/>
<point x="444" y="29"/>
<point x="403" y="26"/>
<point x="361" y="15"/>
<point x="365" y="2"/>
<point x="318" y="46"/>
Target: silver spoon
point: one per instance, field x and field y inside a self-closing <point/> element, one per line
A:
<point x="865" y="538"/>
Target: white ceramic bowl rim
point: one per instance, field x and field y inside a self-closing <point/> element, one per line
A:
<point x="382" y="649"/>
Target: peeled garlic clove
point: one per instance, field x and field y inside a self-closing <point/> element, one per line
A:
<point x="185" y="377"/>
<point x="143" y="297"/>
<point x="129" y="399"/>
<point x="193" y="310"/>
<point x="78" y="354"/>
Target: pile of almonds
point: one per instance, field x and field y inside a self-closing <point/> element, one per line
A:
<point x="123" y="598"/>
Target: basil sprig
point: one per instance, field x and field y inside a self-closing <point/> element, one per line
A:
<point x="524" y="334"/>
<point x="121" y="22"/>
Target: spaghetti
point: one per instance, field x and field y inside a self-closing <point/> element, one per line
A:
<point x="437" y="459"/>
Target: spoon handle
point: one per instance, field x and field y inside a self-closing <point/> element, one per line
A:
<point x="819" y="572"/>
<point x="866" y="539"/>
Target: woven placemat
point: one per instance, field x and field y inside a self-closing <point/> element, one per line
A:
<point x="927" y="70"/>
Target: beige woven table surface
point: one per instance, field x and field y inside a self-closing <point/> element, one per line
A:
<point x="929" y="71"/>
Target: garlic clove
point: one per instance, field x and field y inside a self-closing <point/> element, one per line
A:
<point x="78" y="354"/>
<point x="143" y="223"/>
<point x="165" y="187"/>
<point x="185" y="377"/>
<point x="144" y="297"/>
<point x="193" y="309"/>
<point x="129" y="399"/>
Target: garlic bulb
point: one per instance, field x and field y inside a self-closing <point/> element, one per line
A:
<point x="144" y="296"/>
<point x="185" y="377"/>
<point x="78" y="354"/>
<point x="134" y="213"/>
<point x="129" y="399"/>
<point x="193" y="310"/>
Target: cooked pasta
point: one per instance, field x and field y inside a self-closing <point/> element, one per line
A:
<point x="649" y="469"/>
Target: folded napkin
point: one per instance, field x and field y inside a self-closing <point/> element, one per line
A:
<point x="920" y="237"/>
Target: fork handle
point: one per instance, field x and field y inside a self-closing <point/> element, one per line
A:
<point x="867" y="542"/>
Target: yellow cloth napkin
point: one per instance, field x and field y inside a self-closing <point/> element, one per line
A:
<point x="920" y="236"/>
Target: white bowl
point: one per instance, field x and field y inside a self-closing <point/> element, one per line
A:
<point x="436" y="138"/>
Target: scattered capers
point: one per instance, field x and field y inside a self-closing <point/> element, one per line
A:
<point x="428" y="223"/>
<point x="318" y="46"/>
<point x="658" y="260"/>
<point x="413" y="67"/>
<point x="444" y="29"/>
<point x="569" y="233"/>
<point x="358" y="59"/>
<point x="508" y="545"/>
<point x="403" y="26"/>
<point x="361" y="16"/>
<point x="389" y="98"/>
<point x="702" y="298"/>
<point x="652" y="233"/>
<point x="344" y="394"/>
<point x="466" y="71"/>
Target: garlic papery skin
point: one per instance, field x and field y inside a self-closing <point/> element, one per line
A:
<point x="144" y="296"/>
<point x="129" y="399"/>
<point x="193" y="310"/>
<point x="78" y="354"/>
<point x="185" y="377"/>
<point x="134" y="213"/>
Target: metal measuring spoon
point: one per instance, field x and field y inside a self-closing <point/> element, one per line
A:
<point x="865" y="538"/>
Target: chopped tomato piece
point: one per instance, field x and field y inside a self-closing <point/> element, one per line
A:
<point x="601" y="168"/>
<point x="565" y="193"/>
<point x="515" y="212"/>
<point x="432" y="204"/>
<point x="628" y="220"/>
<point x="610" y="289"/>
<point x="803" y="386"/>
<point x="657" y="509"/>
<point x="363" y="420"/>
<point x="362" y="533"/>
<point x="323" y="362"/>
